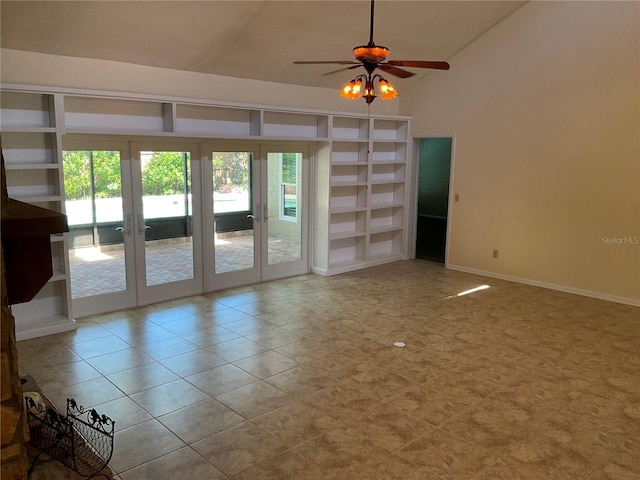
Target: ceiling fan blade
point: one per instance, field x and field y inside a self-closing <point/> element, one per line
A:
<point x="314" y="62"/>
<point x="342" y="69"/>
<point x="398" y="72"/>
<point x="419" y="64"/>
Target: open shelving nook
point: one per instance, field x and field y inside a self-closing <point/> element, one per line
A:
<point x="360" y="171"/>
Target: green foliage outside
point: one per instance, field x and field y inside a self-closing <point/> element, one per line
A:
<point x="77" y="174"/>
<point x="230" y="170"/>
<point x="163" y="173"/>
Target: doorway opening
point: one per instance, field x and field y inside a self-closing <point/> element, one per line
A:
<point x="434" y="173"/>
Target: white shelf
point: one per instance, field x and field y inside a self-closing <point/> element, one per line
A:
<point x="390" y="152"/>
<point x="348" y="196"/>
<point x="101" y="115"/>
<point x="32" y="166"/>
<point x="349" y="128"/>
<point x="26" y="112"/>
<point x="387" y="243"/>
<point x="284" y="125"/>
<point x="347" y="224"/>
<point x="39" y="327"/>
<point x="390" y="130"/>
<point x="349" y="152"/>
<point x="215" y="121"/>
<point x="383" y="194"/>
<point x="347" y="209"/>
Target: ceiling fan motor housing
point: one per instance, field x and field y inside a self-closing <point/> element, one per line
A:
<point x="371" y="53"/>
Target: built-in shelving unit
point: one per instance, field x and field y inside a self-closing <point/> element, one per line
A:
<point x="360" y="192"/>
<point x="31" y="146"/>
<point x="365" y="170"/>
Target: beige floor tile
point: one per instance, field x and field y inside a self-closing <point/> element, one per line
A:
<point x="379" y="383"/>
<point x="168" y="397"/>
<point x="254" y="399"/>
<point x="550" y="458"/>
<point x="285" y="466"/>
<point x="65" y="374"/>
<point x="446" y="455"/>
<point x="221" y="379"/>
<point x="430" y="405"/>
<point x="582" y="433"/>
<point x="144" y="334"/>
<point x="274" y="337"/>
<point x="209" y="336"/>
<point x="342" y="453"/>
<point x="192" y="362"/>
<point x="118" y="361"/>
<point x="39" y="355"/>
<point x="141" y="443"/>
<point x="84" y="332"/>
<point x="169" y="347"/>
<point x="266" y="364"/>
<point x="340" y="402"/>
<point x="301" y="380"/>
<point x="249" y="326"/>
<point x="295" y="423"/>
<point x="201" y="420"/>
<point x="160" y="313"/>
<point x="187" y="325"/>
<point x="238" y="448"/>
<point x="99" y="346"/>
<point x="174" y="466"/>
<point x="388" y="426"/>
<point x="236" y="349"/>
<point x="493" y="422"/>
<point x="141" y="378"/>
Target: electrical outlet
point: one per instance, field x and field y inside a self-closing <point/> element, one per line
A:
<point x="495" y="254"/>
<point x="456" y="197"/>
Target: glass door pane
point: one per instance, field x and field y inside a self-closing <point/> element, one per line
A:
<point x="233" y="220"/>
<point x="95" y="212"/>
<point x="167" y="216"/>
<point x="283" y="207"/>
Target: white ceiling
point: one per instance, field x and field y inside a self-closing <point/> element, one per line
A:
<point x="248" y="39"/>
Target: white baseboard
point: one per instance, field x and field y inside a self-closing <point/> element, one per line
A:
<point x="552" y="286"/>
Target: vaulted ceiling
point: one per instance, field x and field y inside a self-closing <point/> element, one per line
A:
<point x="248" y="39"/>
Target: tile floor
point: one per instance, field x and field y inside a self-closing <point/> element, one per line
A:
<point x="299" y="379"/>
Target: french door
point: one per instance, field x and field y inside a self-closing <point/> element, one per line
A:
<point x="257" y="222"/>
<point x="134" y="211"/>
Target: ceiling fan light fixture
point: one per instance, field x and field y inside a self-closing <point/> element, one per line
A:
<point x="371" y="53"/>
<point x="351" y="91"/>
<point x="369" y="93"/>
<point x="354" y="89"/>
<point x="387" y="92"/>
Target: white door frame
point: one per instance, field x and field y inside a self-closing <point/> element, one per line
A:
<point x="182" y="288"/>
<point x="261" y="270"/>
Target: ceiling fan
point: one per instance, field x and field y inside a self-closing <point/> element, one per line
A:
<point x="374" y="57"/>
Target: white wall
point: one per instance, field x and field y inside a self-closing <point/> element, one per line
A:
<point x="545" y="109"/>
<point x="28" y="68"/>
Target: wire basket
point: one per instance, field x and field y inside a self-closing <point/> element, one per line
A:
<point x="82" y="440"/>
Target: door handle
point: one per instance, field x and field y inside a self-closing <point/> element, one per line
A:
<point x="126" y="227"/>
<point x="256" y="218"/>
